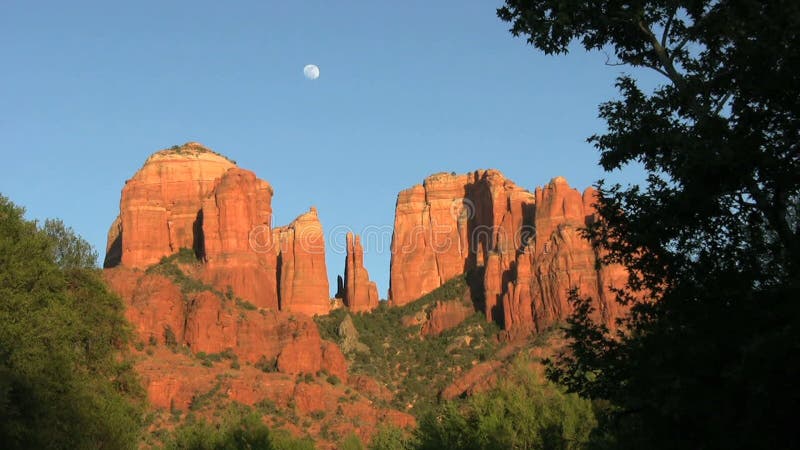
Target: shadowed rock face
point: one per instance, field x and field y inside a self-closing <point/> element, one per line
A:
<point x="359" y="293"/>
<point x="528" y="246"/>
<point x="450" y="224"/>
<point x="190" y="197"/>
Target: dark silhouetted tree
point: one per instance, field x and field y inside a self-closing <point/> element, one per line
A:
<point x="708" y="356"/>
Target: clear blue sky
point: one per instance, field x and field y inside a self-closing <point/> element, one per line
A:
<point x="89" y="89"/>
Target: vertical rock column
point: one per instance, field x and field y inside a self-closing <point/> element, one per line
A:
<point x="360" y="294"/>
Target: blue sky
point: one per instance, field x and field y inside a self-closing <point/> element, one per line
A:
<point x="89" y="89"/>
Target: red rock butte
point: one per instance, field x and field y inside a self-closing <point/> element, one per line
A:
<point x="189" y="197"/>
<point x="528" y="247"/>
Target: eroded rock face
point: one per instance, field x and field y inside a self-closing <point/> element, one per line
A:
<point x="235" y="239"/>
<point x="528" y="246"/>
<point x="557" y="260"/>
<point x="449" y="224"/>
<point x="189" y="197"/>
<point x="444" y="316"/>
<point x="359" y="293"/>
<point x="160" y="203"/>
<point x="303" y="274"/>
<point x="208" y="322"/>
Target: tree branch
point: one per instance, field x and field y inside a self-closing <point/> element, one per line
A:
<point x="722" y="103"/>
<point x="665" y="34"/>
<point x="662" y="55"/>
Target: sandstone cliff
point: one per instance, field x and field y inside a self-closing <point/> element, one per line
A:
<point x="527" y="245"/>
<point x="221" y="302"/>
<point x="303" y="274"/>
<point x="190" y="197"/>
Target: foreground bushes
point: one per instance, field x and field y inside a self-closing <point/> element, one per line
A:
<point x="63" y="383"/>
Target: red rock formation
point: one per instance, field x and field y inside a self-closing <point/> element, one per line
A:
<point x="557" y="260"/>
<point x="174" y="380"/>
<point x="481" y="373"/>
<point x="159" y="205"/>
<point x="303" y="275"/>
<point x="236" y="238"/>
<point x="528" y="245"/>
<point x="191" y="197"/>
<point x="208" y="322"/>
<point x="360" y="294"/>
<point x="449" y="224"/>
<point x="445" y="316"/>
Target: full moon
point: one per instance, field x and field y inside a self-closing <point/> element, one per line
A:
<point x="311" y="72"/>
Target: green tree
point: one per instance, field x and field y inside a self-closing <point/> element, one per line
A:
<point x="389" y="437"/>
<point x="351" y="442"/>
<point x="707" y="356"/>
<point x="523" y="411"/>
<point x="63" y="384"/>
<point x="70" y="251"/>
<point x="239" y="429"/>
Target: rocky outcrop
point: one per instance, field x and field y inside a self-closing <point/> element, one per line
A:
<point x="234" y="237"/>
<point x="446" y="315"/>
<point x="205" y="321"/>
<point x="359" y="293"/>
<point x="303" y="274"/>
<point x="527" y="245"/>
<point x="559" y="259"/>
<point x="189" y="197"/>
<point x="160" y="203"/>
<point x="449" y="224"/>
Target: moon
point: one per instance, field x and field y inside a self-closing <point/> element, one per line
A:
<point x="311" y="72"/>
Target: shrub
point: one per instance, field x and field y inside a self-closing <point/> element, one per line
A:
<point x="244" y="304"/>
<point x="169" y="338"/>
<point x="523" y="411"/>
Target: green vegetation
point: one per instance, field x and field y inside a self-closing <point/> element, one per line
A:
<point x="190" y="148"/>
<point x="389" y="437"/>
<point x="413" y="368"/>
<point x="351" y="442"/>
<point x="244" y="304"/>
<point x="240" y="428"/>
<point x="522" y="411"/>
<point x="70" y="251"/>
<point x="168" y="266"/>
<point x="208" y="359"/>
<point x="708" y="356"/>
<point x="267" y="365"/>
<point x="201" y="400"/>
<point x="64" y="378"/>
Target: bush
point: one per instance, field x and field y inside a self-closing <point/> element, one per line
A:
<point x="244" y="304"/>
<point x="240" y="429"/>
<point x="267" y="365"/>
<point x="351" y="442"/>
<point x="390" y="437"/>
<point x="523" y="411"/>
<point x="170" y="340"/>
<point x="64" y="378"/>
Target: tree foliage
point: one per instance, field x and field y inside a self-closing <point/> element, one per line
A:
<point x="523" y="411"/>
<point x="240" y="429"/>
<point x="70" y="251"/>
<point x="62" y="383"/>
<point x="707" y="356"/>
